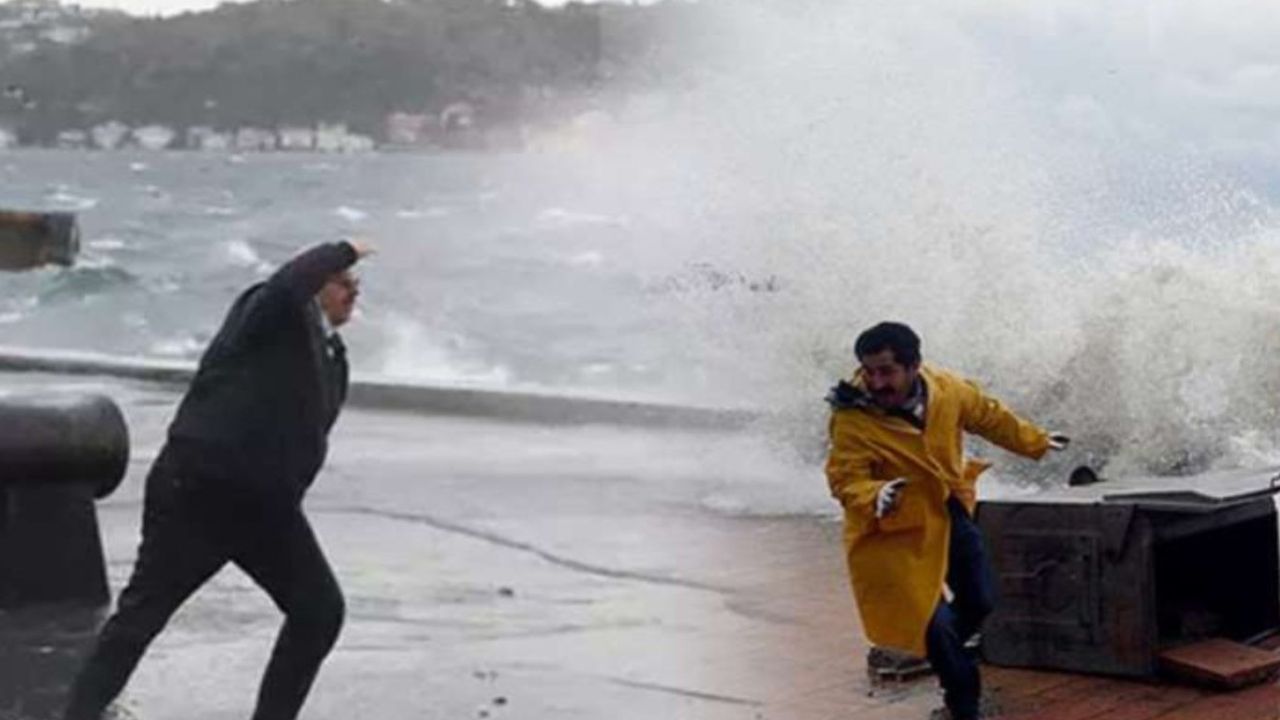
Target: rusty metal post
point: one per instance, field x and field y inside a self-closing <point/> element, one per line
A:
<point x="30" y="240"/>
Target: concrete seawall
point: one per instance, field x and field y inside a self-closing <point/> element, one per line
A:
<point x="498" y="403"/>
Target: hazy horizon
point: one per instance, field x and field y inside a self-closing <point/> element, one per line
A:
<point x="148" y="8"/>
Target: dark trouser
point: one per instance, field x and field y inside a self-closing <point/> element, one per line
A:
<point x="969" y="577"/>
<point x="188" y="534"/>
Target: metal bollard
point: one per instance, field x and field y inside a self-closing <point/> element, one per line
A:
<point x="57" y="455"/>
<point x="30" y="240"/>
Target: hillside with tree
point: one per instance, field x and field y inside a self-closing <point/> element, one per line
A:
<point x="273" y="63"/>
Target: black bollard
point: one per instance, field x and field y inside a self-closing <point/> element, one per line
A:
<point x="56" y="456"/>
<point x="30" y="240"/>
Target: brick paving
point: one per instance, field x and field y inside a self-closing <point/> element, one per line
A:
<point x="802" y="577"/>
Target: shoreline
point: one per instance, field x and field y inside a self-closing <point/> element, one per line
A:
<point x="433" y="399"/>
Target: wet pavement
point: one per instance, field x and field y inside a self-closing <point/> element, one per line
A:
<point x="497" y="569"/>
<point x="512" y="570"/>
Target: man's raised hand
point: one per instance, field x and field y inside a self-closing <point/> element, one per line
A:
<point x="362" y="246"/>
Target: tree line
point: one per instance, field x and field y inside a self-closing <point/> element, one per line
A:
<point x="279" y="62"/>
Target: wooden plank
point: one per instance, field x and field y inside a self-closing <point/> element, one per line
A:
<point x="1016" y="683"/>
<point x="1261" y="702"/>
<point x="1220" y="663"/>
<point x="1271" y="642"/>
<point x="1157" y="701"/>
<point x="1080" y="700"/>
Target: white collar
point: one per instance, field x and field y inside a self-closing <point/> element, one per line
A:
<point x="326" y="327"/>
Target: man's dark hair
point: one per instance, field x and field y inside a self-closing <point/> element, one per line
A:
<point x="900" y="339"/>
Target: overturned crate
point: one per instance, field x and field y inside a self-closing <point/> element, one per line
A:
<point x="1103" y="578"/>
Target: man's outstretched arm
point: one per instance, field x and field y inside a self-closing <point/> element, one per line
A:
<point x="984" y="415"/>
<point x="296" y="282"/>
<point x="303" y="276"/>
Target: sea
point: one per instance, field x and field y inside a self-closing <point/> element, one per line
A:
<point x="1107" y="269"/>
<point x="490" y="270"/>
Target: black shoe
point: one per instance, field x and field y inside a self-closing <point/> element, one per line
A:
<point x="987" y="708"/>
<point x="883" y="664"/>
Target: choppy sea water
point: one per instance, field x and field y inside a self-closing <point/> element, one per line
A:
<point x="501" y="270"/>
<point x="726" y="240"/>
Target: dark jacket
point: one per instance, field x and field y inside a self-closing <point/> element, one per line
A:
<point x="256" y="418"/>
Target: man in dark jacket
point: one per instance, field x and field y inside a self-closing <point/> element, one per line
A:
<point x="248" y="439"/>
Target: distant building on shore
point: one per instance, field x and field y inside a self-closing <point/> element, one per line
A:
<point x="65" y="34"/>
<point x="329" y="137"/>
<point x="25" y="25"/>
<point x="109" y="135"/>
<point x="406" y="130"/>
<point x="205" y="138"/>
<point x="458" y="117"/>
<point x="335" y="137"/>
<point x="255" y="139"/>
<point x="73" y="139"/>
<point x="295" y="137"/>
<point x="457" y="126"/>
<point x="153" y="137"/>
<point x="357" y="143"/>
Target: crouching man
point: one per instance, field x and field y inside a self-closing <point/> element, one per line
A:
<point x="897" y="466"/>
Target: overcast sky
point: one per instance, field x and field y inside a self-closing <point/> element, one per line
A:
<point x="1203" y="73"/>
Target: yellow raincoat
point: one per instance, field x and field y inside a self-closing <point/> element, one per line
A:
<point x="898" y="563"/>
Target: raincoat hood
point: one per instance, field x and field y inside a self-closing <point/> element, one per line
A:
<point x="846" y="395"/>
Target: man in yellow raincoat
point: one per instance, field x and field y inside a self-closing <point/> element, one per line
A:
<point x="898" y="468"/>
